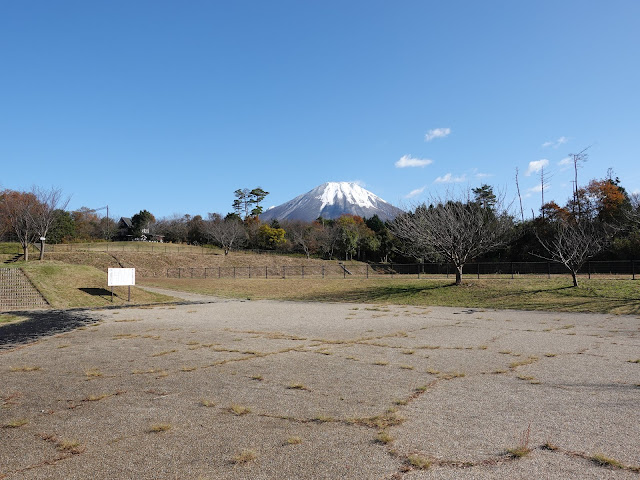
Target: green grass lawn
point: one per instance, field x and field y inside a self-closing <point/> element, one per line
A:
<point x="596" y="295"/>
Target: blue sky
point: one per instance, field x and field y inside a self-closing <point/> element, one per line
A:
<point x="171" y="106"/>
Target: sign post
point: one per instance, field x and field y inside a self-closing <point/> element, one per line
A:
<point x="120" y="277"/>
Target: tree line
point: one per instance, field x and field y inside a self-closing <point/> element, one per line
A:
<point x="599" y="221"/>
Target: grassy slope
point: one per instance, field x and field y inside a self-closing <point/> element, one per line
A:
<point x="596" y="295"/>
<point x="68" y="286"/>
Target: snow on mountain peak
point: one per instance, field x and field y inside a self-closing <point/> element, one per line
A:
<point x="351" y="192"/>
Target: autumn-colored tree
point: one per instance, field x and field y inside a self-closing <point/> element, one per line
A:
<point x="270" y="237"/>
<point x="17" y="211"/>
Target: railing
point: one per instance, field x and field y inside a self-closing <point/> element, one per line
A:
<point x="509" y="270"/>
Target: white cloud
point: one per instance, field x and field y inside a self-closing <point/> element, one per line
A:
<point x="565" y="161"/>
<point x="415" y="192"/>
<point x="436" y="133"/>
<point x="449" y="178"/>
<point x="537" y="188"/>
<point x="555" y="143"/>
<point x="409" y="161"/>
<point x="537" y="165"/>
<point x="482" y="175"/>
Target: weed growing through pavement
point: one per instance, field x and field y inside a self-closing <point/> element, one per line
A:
<point x="293" y="440"/>
<point x="159" y="427"/>
<point x="207" y="403"/>
<point x="526" y="361"/>
<point x="522" y="449"/>
<point x="96" y="398"/>
<point x="384" y="437"/>
<point x="239" y="410"/>
<point x="605" y="461"/>
<point x="93" y="373"/>
<point x="407" y="367"/>
<point x="245" y="456"/>
<point x="188" y="369"/>
<point x="419" y="461"/>
<point x="297" y="386"/>
<point x="165" y="352"/>
<point x="25" y="368"/>
<point x="381" y="362"/>
<point x="19" y="422"/>
<point x="256" y="377"/>
<point x="68" y="446"/>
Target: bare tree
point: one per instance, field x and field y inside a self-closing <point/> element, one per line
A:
<point x="572" y="241"/>
<point x="18" y="209"/>
<point x="453" y="230"/>
<point x="49" y="204"/>
<point x="225" y="232"/>
<point x="302" y="234"/>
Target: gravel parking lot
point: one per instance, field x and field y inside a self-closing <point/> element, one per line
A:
<point x="270" y="390"/>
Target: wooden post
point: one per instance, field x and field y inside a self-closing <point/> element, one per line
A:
<point x="367" y="270"/>
<point x="284" y="271"/>
<point x="633" y="269"/>
<point x="478" y="271"/>
<point x="548" y="269"/>
<point x="511" y="270"/>
<point x="266" y="272"/>
<point x="322" y="271"/>
<point x="589" y="269"/>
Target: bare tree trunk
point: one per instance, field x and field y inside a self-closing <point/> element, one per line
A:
<point x="41" y="250"/>
<point x="574" y="277"/>
<point x="459" y="275"/>
<point x="25" y="249"/>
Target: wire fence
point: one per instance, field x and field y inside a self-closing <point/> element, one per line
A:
<point x="142" y="247"/>
<point x="513" y="270"/>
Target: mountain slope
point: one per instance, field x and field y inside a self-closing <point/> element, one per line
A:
<point x="330" y="200"/>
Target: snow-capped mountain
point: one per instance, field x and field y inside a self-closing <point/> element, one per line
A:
<point x="330" y="200"/>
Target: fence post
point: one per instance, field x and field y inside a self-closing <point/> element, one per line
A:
<point x="191" y="272"/>
<point x="302" y="271"/>
<point x="234" y="272"/>
<point x="266" y="272"/>
<point x="511" y="270"/>
<point x="447" y="270"/>
<point x="548" y="269"/>
<point x="633" y="269"/>
<point x="219" y="268"/>
<point x="418" y="271"/>
<point x="322" y="271"/>
<point x="179" y="272"/>
<point x="589" y="269"/>
<point x="167" y="273"/>
<point x="284" y="271"/>
<point x="367" y="270"/>
<point x="478" y="271"/>
<point x="205" y="272"/>
<point x="249" y="271"/>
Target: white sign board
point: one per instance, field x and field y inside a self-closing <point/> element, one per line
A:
<point x="121" y="276"/>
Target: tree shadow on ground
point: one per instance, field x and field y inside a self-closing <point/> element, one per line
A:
<point x="40" y="324"/>
<point x="377" y="293"/>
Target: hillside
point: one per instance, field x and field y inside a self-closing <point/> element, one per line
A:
<point x="156" y="264"/>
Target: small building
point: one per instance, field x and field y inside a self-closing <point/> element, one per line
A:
<point x="126" y="231"/>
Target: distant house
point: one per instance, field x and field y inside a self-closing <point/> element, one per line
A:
<point x="126" y="231"/>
